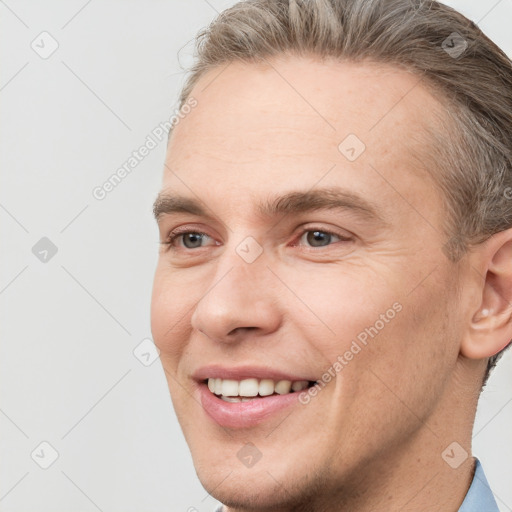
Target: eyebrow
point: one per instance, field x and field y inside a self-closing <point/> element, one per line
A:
<point x="293" y="202"/>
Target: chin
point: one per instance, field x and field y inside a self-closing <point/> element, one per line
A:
<point x="273" y="484"/>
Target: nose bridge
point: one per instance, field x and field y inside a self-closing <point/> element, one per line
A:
<point x="239" y="296"/>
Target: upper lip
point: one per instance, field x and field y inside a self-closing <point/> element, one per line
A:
<point x="214" y="371"/>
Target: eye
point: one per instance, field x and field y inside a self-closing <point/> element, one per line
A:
<point x="192" y="240"/>
<point x="319" y="238"/>
<point x="189" y="239"/>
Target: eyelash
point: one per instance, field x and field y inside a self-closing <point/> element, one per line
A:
<point x="174" y="235"/>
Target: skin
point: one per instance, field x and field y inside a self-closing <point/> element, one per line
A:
<point x="373" y="437"/>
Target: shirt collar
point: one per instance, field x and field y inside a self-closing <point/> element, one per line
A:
<point x="479" y="496"/>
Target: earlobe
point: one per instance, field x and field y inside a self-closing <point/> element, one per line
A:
<point x="490" y="328"/>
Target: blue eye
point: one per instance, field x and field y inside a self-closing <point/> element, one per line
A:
<point x="190" y="239"/>
<point x="314" y="238"/>
<point x="317" y="238"/>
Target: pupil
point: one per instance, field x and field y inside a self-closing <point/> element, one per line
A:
<point x="192" y="240"/>
<point x="316" y="238"/>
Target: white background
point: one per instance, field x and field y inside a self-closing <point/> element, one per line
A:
<point x="69" y="326"/>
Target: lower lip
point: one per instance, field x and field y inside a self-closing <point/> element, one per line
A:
<point x="243" y="414"/>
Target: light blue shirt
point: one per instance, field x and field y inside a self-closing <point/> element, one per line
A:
<point x="478" y="499"/>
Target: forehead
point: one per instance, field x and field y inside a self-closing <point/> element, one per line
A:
<point x="326" y="97"/>
<point x="270" y="125"/>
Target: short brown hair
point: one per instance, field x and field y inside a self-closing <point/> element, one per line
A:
<point x="463" y="67"/>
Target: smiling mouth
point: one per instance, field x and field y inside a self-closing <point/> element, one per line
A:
<point x="245" y="390"/>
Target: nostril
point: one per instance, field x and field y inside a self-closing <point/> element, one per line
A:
<point x="236" y="330"/>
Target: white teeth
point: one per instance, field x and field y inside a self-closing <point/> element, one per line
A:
<point x="229" y="387"/>
<point x="266" y="387"/>
<point x="283" y="387"/>
<point x="230" y="390"/>
<point x="232" y="399"/>
<point x="248" y="387"/>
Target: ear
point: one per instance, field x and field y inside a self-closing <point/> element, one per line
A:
<point x="490" y="328"/>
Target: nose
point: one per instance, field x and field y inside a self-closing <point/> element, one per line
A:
<point x="241" y="299"/>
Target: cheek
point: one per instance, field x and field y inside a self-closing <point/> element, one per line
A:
<point x="170" y="314"/>
<point x="336" y="307"/>
<point x="409" y="360"/>
<point x="375" y="323"/>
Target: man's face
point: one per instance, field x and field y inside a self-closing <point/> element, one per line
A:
<point x="347" y="268"/>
